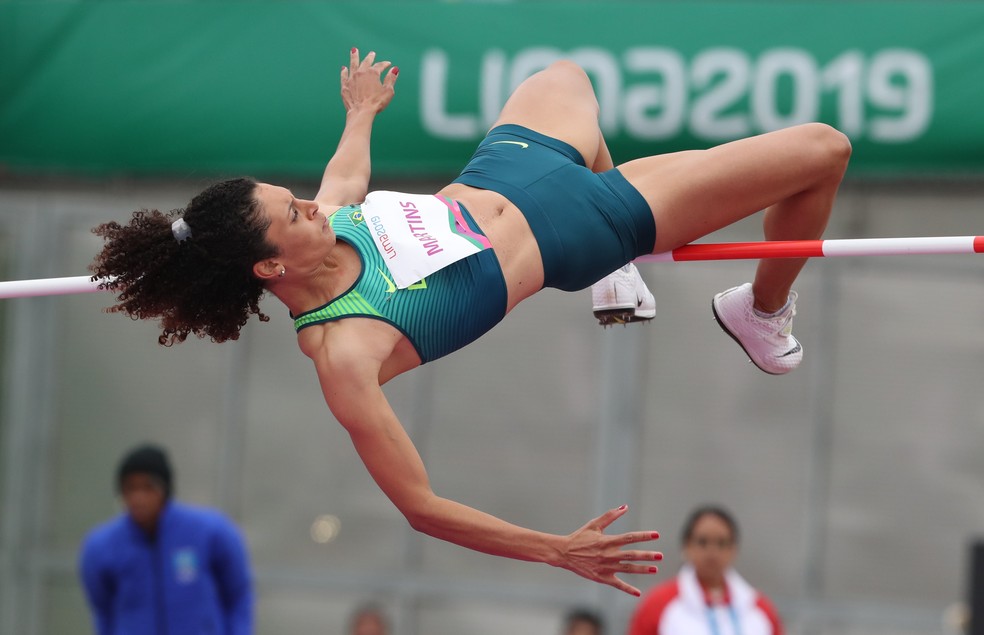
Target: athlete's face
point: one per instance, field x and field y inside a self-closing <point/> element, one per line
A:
<point x="711" y="548"/>
<point x="297" y="227"/>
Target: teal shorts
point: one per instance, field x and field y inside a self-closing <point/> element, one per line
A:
<point x="586" y="225"/>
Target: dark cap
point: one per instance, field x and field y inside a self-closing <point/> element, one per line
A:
<point x="146" y="459"/>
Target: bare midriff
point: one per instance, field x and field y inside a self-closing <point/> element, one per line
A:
<point x="510" y="235"/>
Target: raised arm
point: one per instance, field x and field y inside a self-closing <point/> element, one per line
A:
<point x="365" y="93"/>
<point x="357" y="401"/>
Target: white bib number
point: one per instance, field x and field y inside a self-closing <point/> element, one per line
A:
<point x="418" y="234"/>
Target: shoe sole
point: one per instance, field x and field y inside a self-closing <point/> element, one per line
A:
<point x="717" y="318"/>
<point x="600" y="308"/>
<point x="608" y="317"/>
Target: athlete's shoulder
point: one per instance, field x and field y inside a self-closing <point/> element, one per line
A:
<point x="339" y="345"/>
<point x="311" y="340"/>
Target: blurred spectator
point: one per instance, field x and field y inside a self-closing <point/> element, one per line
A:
<point x="164" y="567"/>
<point x="582" y="621"/>
<point x="707" y="597"/>
<point x="369" y="619"/>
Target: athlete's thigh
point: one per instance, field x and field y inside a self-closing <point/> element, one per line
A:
<point x="559" y="102"/>
<point x="696" y="192"/>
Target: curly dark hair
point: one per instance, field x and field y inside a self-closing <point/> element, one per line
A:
<point x="203" y="285"/>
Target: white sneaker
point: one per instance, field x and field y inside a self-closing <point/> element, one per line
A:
<point x="768" y="341"/>
<point x="622" y="297"/>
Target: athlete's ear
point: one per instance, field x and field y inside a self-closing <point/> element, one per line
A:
<point x="267" y="269"/>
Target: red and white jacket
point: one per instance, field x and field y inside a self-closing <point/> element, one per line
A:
<point x="680" y="607"/>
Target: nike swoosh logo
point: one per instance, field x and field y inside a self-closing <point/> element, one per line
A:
<point x="518" y="143"/>
<point x="390" y="287"/>
<point x="638" y="302"/>
<point x="792" y="351"/>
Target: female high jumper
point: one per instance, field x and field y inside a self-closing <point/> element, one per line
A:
<point x="379" y="283"/>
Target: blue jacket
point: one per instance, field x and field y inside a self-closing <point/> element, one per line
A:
<point x="193" y="578"/>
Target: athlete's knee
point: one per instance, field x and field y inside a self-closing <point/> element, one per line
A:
<point x="828" y="147"/>
<point x="837" y="144"/>
<point x="575" y="83"/>
<point x="832" y="145"/>
<point x="568" y="72"/>
<point x="568" y="66"/>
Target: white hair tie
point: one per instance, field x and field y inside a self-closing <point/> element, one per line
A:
<point x="181" y="230"/>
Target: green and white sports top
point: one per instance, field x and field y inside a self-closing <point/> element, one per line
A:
<point x="440" y="314"/>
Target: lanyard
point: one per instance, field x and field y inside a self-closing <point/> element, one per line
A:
<point x="712" y="620"/>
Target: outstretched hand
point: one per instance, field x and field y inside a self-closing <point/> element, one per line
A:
<point x="363" y="83"/>
<point x="597" y="556"/>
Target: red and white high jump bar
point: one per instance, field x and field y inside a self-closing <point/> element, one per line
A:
<point x="707" y="251"/>
<point x="822" y="248"/>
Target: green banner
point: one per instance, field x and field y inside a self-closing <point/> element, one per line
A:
<point x="226" y="86"/>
